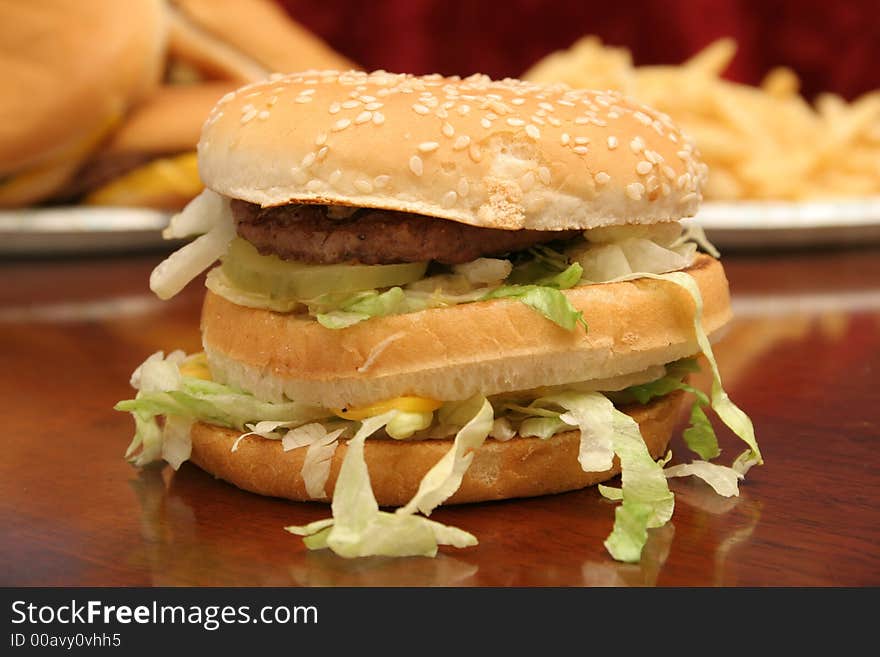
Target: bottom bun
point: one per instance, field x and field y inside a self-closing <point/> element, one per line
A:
<point x="520" y="467"/>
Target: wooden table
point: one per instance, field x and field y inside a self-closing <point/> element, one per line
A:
<point x="803" y="358"/>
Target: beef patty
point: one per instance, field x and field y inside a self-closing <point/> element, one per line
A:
<point x="313" y="234"/>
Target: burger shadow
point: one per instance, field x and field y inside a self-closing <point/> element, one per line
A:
<point x="199" y="530"/>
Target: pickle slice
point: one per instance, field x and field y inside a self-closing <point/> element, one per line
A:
<point x="289" y="280"/>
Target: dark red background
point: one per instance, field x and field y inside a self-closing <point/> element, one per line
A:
<point x="834" y="46"/>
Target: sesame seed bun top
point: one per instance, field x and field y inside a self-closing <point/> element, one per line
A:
<point x="500" y="154"/>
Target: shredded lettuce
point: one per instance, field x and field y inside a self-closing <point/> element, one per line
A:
<point x="592" y="413"/>
<point x="730" y="413"/>
<point x="721" y="478"/>
<point x="445" y="477"/>
<point x="646" y="498"/>
<point x="164" y="391"/>
<point x="182" y="266"/>
<point x="358" y="528"/>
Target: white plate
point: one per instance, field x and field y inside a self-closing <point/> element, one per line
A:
<point x="771" y="224"/>
<point x="80" y="229"/>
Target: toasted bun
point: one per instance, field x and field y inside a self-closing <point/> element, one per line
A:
<point x="245" y="40"/>
<point x="169" y="121"/>
<point x="487" y="347"/>
<point x="520" y="467"/>
<point x="504" y="154"/>
<point x="75" y="67"/>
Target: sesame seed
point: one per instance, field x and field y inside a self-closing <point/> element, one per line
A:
<point x="363" y="117"/>
<point x="644" y="167"/>
<point x="642" y="118"/>
<point x="544" y="175"/>
<point x="272" y="101"/>
<point x="305" y="99"/>
<point x="363" y="186"/>
<point x="322" y="153"/>
<point x="449" y="199"/>
<point x="341" y="124"/>
<point x="635" y="191"/>
<point x="448" y="130"/>
<point x="533" y="131"/>
<point x="565" y="103"/>
<point x="314" y="185"/>
<point x="463" y="187"/>
<point x="601" y="178"/>
<point x="582" y="120"/>
<point x="441" y="113"/>
<point x="475" y="152"/>
<point x="464" y="109"/>
<point x="613" y="115"/>
<point x="546" y="106"/>
<point x="250" y="114"/>
<point x="612" y="143"/>
<point x="668" y="171"/>
<point x="486" y="123"/>
<point x="415" y="165"/>
<point x="428" y="146"/>
<point x="307" y="92"/>
<point x="350" y="104"/>
<point x="665" y="189"/>
<point x="334" y="177"/>
<point x="637" y="145"/>
<point x="518" y="101"/>
<point x="321" y="139"/>
<point x="378" y="118"/>
<point x="515" y="122"/>
<point x="420" y="109"/>
<point x="687" y="198"/>
<point x="381" y="181"/>
<point x="683" y="180"/>
<point x="371" y="107"/>
<point x="462" y="141"/>
<point x="683" y="155"/>
<point x="537" y="119"/>
<point x="580" y="150"/>
<point x="334" y="108"/>
<point x="308" y="160"/>
<point x="581" y="140"/>
<point x="367" y="99"/>
<point x="554" y="121"/>
<point x="263" y="115"/>
<point x="564" y="138"/>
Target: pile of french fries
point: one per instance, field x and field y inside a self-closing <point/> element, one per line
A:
<point x="762" y="142"/>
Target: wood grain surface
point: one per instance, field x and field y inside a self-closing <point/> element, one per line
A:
<point x="802" y="357"/>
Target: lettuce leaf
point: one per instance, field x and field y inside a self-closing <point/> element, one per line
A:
<point x="358" y="528"/>
<point x="721" y="478"/>
<point x="592" y="413"/>
<point x="444" y="478"/>
<point x="164" y="391"/>
<point x="646" y="498"/>
<point x="549" y="301"/>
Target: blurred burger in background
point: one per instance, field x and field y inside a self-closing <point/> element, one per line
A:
<point x="113" y="94"/>
<point x="73" y="69"/>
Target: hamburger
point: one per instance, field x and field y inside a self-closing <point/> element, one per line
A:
<point x="440" y="290"/>
<point x="75" y="67"/>
<point x="150" y="159"/>
<point x="242" y="41"/>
